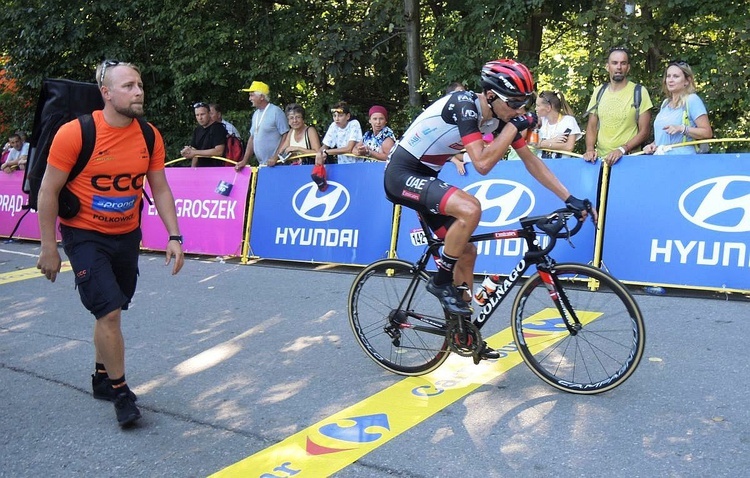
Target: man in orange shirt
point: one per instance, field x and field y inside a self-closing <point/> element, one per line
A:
<point x="102" y="241"/>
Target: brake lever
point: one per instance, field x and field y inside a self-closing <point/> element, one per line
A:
<point x="567" y="231"/>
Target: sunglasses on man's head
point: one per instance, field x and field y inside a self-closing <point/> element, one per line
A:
<point x="107" y="64"/>
<point x="200" y="104"/>
<point x="338" y="111"/>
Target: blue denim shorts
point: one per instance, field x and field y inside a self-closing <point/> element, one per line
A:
<point x="105" y="267"/>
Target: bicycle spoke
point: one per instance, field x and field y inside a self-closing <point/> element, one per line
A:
<point x="605" y="350"/>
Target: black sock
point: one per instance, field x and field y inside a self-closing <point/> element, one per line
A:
<point x="445" y="269"/>
<point x="99" y="371"/>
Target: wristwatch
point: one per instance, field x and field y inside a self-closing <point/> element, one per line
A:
<point x="176" y="238"/>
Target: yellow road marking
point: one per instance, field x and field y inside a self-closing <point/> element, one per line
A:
<point x="30" y="273"/>
<point x="339" y="440"/>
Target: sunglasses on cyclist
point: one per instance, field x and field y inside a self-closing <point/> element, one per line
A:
<point x="514" y="103"/>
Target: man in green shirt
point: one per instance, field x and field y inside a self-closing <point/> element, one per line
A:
<point x="614" y="127"/>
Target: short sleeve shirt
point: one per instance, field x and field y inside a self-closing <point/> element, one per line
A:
<point x="110" y="187"/>
<point x="616" y="113"/>
<point x="266" y="128"/>
<point x="336" y="137"/>
<point x="676" y="116"/>
<point x="208" y="138"/>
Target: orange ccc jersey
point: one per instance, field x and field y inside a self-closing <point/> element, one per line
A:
<point x="110" y="185"/>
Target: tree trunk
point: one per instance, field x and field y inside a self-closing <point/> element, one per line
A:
<point x="413" y="57"/>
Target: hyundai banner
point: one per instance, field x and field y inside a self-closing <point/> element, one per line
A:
<point x="680" y="220"/>
<point x="349" y="223"/>
<point x="507" y="194"/>
<point x="210" y="204"/>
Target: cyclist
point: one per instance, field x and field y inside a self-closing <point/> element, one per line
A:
<point x="454" y="122"/>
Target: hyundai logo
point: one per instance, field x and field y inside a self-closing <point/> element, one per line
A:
<point x="719" y="204"/>
<point x="511" y="200"/>
<point x="313" y="205"/>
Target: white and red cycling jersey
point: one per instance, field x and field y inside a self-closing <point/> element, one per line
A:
<point x="445" y="128"/>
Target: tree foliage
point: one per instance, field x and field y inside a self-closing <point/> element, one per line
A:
<point x="317" y="52"/>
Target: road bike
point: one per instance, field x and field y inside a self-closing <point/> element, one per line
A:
<point x="576" y="326"/>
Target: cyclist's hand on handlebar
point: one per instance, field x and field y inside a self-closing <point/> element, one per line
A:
<point x="582" y="207"/>
<point x="527" y="121"/>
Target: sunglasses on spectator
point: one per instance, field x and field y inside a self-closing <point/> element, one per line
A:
<point x="200" y="104"/>
<point x="678" y="63"/>
<point x="514" y="103"/>
<point x="338" y="111"/>
<point x="107" y="64"/>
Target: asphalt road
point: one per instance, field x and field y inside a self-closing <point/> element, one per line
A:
<point x="229" y="360"/>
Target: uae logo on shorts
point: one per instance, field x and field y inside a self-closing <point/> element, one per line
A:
<point x="718" y="204"/>
<point x="503" y="202"/>
<point x="311" y="204"/>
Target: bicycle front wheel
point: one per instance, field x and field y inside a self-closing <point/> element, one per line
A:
<point x="395" y="320"/>
<point x="607" y="338"/>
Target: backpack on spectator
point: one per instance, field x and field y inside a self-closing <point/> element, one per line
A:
<point x="234" y="149"/>
<point x="61" y="101"/>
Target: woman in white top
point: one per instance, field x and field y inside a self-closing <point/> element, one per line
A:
<point x="558" y="128"/>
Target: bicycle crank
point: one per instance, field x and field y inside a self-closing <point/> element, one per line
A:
<point x="464" y="337"/>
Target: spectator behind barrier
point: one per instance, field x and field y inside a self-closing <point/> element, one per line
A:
<point x="302" y="138"/>
<point x="615" y="126"/>
<point x="16" y="158"/>
<point x="682" y="117"/>
<point x="558" y="126"/>
<point x="377" y="143"/>
<point x="268" y="126"/>
<point x="208" y="139"/>
<point x="341" y="137"/>
<point x="214" y="110"/>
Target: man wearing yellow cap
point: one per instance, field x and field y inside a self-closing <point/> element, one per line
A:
<point x="268" y="127"/>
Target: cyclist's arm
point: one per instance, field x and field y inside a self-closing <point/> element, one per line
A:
<point x="542" y="173"/>
<point x="484" y="158"/>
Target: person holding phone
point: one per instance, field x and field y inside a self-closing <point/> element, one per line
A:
<point x="558" y="128"/>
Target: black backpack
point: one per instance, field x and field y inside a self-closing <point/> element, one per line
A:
<point x="61" y="101"/>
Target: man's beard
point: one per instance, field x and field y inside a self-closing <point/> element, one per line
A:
<point x="131" y="111"/>
<point x="618" y="77"/>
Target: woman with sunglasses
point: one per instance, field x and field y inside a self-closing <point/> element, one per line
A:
<point x="452" y="123"/>
<point x="682" y="117"/>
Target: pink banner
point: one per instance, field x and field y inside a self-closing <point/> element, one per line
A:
<point x="210" y="203"/>
<point x="12" y="198"/>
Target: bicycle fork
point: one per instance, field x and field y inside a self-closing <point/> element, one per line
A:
<point x="558" y="296"/>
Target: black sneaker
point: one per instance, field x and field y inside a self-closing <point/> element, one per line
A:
<point x="103" y="390"/>
<point x="127" y="412"/>
<point x="450" y="298"/>
<point x="485" y="352"/>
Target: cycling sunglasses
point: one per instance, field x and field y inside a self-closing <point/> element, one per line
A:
<point x="516" y="103"/>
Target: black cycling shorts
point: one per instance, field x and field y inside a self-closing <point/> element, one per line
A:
<point x="105" y="267"/>
<point x="412" y="184"/>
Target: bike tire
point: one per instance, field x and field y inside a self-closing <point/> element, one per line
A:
<point x="375" y="296"/>
<point x="606" y="350"/>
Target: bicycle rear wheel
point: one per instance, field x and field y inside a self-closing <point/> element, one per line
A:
<point x="606" y="349"/>
<point x="395" y="320"/>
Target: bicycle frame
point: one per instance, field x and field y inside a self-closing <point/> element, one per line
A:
<point x="535" y="255"/>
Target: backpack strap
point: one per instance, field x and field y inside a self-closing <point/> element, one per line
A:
<point x="599" y="95"/>
<point x="637" y="102"/>
<point x="88" y="139"/>
<point x="148" y="135"/>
